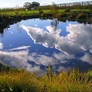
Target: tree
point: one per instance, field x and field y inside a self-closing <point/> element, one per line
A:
<point x="27" y="5"/>
<point x="35" y="4"/>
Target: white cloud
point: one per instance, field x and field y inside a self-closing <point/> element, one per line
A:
<point x="53" y="39"/>
<point x="40" y="36"/>
<point x="62" y="56"/>
<point x="78" y="40"/>
<point x="21" y="56"/>
<point x="1" y="46"/>
<point x="17" y="59"/>
<point x="81" y="35"/>
<point x="87" y="58"/>
<point x="43" y="60"/>
<point x="53" y="30"/>
<point x="20" y="48"/>
<point x="17" y="3"/>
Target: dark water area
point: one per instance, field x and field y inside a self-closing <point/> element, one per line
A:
<point x="34" y="44"/>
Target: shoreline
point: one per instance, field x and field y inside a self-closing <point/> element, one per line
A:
<point x="81" y="17"/>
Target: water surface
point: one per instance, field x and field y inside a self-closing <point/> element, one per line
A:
<point x="34" y="44"/>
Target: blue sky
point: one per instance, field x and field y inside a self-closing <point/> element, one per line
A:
<point x="17" y="3"/>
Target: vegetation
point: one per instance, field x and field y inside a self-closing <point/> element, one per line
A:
<point x="29" y="6"/>
<point x="16" y="80"/>
<point x="19" y="80"/>
<point x="10" y="16"/>
<point x="74" y="13"/>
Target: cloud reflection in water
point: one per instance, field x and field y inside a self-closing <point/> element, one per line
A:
<point x="79" y="40"/>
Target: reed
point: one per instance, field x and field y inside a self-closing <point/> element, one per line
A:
<point x="23" y="81"/>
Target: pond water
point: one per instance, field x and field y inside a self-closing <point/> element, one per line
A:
<point x="34" y="44"/>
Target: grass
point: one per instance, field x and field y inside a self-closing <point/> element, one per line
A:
<point x="23" y="81"/>
<point x="61" y="10"/>
<point x="27" y="12"/>
<point x="13" y="13"/>
<point x="80" y="10"/>
<point x="23" y="12"/>
<point x="58" y="11"/>
<point x="10" y="16"/>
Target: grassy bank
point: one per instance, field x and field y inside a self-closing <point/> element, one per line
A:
<point x="22" y="81"/>
<point x="9" y="16"/>
<point x="45" y="12"/>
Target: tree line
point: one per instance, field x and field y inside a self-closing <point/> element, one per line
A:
<point x="30" y="6"/>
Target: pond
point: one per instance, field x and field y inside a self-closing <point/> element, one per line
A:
<point x="34" y="44"/>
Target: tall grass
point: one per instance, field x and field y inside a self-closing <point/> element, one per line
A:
<point x="23" y="81"/>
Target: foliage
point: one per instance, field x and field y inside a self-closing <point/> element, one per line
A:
<point x="23" y="81"/>
<point x="35" y="4"/>
<point x="29" y="6"/>
<point x="10" y="16"/>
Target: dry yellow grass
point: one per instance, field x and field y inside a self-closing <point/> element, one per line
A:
<point x="23" y="81"/>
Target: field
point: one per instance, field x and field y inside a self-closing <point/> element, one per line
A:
<point x="10" y="16"/>
<point x="24" y="12"/>
<point x="18" y="80"/>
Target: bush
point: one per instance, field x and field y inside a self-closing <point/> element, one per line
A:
<point x="81" y="16"/>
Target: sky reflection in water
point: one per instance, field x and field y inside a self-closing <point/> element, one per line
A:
<point x="34" y="44"/>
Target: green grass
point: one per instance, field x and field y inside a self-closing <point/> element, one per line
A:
<point x="18" y="12"/>
<point x="58" y="10"/>
<point x="80" y="10"/>
<point x="7" y="13"/>
<point x="23" y="12"/>
<point x="61" y="10"/>
<point x="27" y="12"/>
<point x="23" y="81"/>
<point x="10" y="16"/>
<point x="46" y="11"/>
